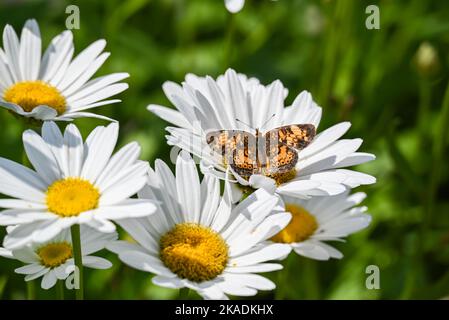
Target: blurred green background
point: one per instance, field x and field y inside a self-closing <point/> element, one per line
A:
<point x="390" y="83"/>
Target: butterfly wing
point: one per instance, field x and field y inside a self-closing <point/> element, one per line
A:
<point x="224" y="142"/>
<point x="297" y="136"/>
<point x="238" y="148"/>
<point x="280" y="159"/>
<point x="282" y="145"/>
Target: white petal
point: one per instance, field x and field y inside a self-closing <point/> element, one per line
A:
<point x="303" y="110"/>
<point x="93" y="241"/>
<point x="355" y="159"/>
<point x="42" y="113"/>
<point x="40" y="231"/>
<point x="329" y="156"/>
<point x="123" y="158"/>
<point x="213" y="292"/>
<point x="96" y="262"/>
<point x="102" y="225"/>
<point x="249" y="214"/>
<point x="6" y="253"/>
<point x="269" y="252"/>
<point x="21" y="204"/>
<point x="298" y="187"/>
<point x="30" y="277"/>
<point x="163" y="185"/>
<point x="325" y="138"/>
<point x="21" y="216"/>
<point x="121" y="246"/>
<point x="49" y="280"/>
<point x="30" y="50"/>
<point x="251" y="280"/>
<point x="41" y="157"/>
<point x="62" y="272"/>
<point x="316" y="250"/>
<point x="99" y="95"/>
<point x="270" y="226"/>
<point x="125" y="189"/>
<point x="99" y="147"/>
<point x="30" y="268"/>
<point x="57" y="56"/>
<point x="55" y="141"/>
<point x="210" y="198"/>
<point x="85" y="76"/>
<point x="77" y="115"/>
<point x="131" y="208"/>
<point x="5" y="76"/>
<point x="259" y="181"/>
<point x="236" y="288"/>
<point x="170" y="115"/>
<point x="73" y="146"/>
<point x="26" y="255"/>
<point x="172" y="283"/>
<point x="144" y="262"/>
<point x="261" y="267"/>
<point x="12" y="46"/>
<point x="139" y="230"/>
<point x="94" y="85"/>
<point x="20" y="182"/>
<point x="176" y="96"/>
<point x="188" y="187"/>
<point x="61" y="71"/>
<point x="354" y="179"/>
<point x="81" y="63"/>
<point x="224" y="209"/>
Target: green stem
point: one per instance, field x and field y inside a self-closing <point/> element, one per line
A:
<point x="311" y="283"/>
<point x="413" y="270"/>
<point x="428" y="208"/>
<point x="60" y="289"/>
<point x="76" y="242"/>
<point x="183" y="294"/>
<point x="437" y="158"/>
<point x="283" y="278"/>
<point x="425" y="96"/>
<point x="31" y="290"/>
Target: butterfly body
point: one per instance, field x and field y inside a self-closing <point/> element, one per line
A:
<point x="274" y="152"/>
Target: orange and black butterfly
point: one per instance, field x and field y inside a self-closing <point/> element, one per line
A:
<point x="274" y="152"/>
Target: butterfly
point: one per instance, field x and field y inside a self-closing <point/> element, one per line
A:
<point x="272" y="153"/>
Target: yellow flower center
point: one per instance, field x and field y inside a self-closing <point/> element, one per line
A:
<point x="30" y="94"/>
<point x="194" y="252"/>
<point x="301" y="226"/>
<point x="72" y="196"/>
<point x="53" y="255"/>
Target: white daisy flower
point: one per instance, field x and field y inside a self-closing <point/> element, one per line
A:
<point x="53" y="86"/>
<point x="235" y="102"/>
<point x="198" y="240"/>
<point x="321" y="219"/>
<point x="54" y="261"/>
<point x="234" y="6"/>
<point x="73" y="183"/>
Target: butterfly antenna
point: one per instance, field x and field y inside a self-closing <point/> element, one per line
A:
<point x="268" y="120"/>
<point x="246" y="124"/>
